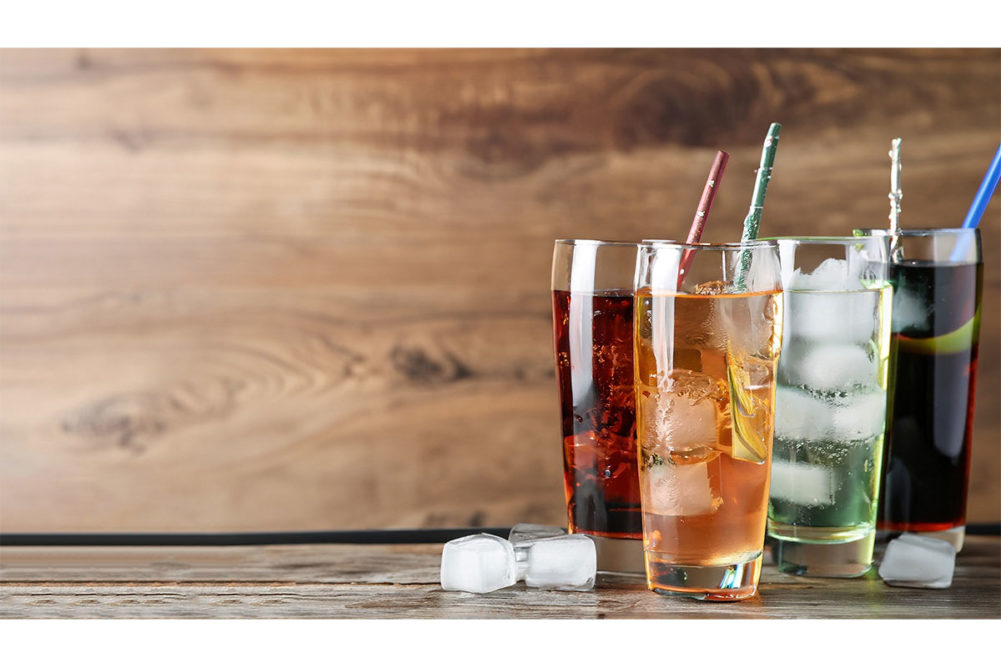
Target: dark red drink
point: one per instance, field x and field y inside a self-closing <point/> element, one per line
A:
<point x="934" y="360"/>
<point x="594" y="367"/>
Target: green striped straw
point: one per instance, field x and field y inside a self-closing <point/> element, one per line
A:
<point x="753" y="219"/>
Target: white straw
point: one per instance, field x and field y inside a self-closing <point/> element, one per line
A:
<point x="895" y="194"/>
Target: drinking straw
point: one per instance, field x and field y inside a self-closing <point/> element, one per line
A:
<point x="984" y="192"/>
<point x="895" y="193"/>
<point x="753" y="219"/>
<point x="979" y="205"/>
<point x="702" y="213"/>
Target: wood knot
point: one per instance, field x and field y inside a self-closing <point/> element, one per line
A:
<point x="426" y="365"/>
<point x="132" y="421"/>
<point x="128" y="421"/>
<point x="682" y="109"/>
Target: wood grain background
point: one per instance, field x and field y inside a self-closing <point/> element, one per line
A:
<point x="276" y="290"/>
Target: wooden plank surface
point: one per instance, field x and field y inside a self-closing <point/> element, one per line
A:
<point x="298" y="289"/>
<point x="401" y="581"/>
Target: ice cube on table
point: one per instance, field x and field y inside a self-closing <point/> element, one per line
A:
<point x="522" y="532"/>
<point x="802" y="483"/>
<point x="914" y="561"/>
<point x="679" y="490"/>
<point x="478" y="564"/>
<point x="568" y="562"/>
<point x="828" y="366"/>
<point x="525" y="533"/>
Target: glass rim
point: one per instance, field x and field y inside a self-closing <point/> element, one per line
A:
<point x="594" y="242"/>
<point x="826" y="240"/>
<point x="740" y="245"/>
<point x="919" y="231"/>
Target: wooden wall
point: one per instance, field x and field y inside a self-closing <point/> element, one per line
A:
<point x="267" y="290"/>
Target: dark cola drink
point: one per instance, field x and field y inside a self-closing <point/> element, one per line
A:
<point x="593" y="335"/>
<point x="936" y="317"/>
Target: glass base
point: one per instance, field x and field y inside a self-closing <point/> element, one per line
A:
<point x="619" y="556"/>
<point x="954" y="536"/>
<point x="716" y="583"/>
<point x="825" y="559"/>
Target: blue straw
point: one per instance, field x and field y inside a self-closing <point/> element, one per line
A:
<point x="983" y="196"/>
<point x="979" y="205"/>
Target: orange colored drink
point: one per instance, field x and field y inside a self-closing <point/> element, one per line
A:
<point x="705" y="386"/>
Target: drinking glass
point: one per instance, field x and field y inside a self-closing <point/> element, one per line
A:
<point x="830" y="405"/>
<point x="592" y="286"/>
<point x="937" y="276"/>
<point x="707" y="332"/>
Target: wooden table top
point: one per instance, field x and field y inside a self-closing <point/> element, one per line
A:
<point x="401" y="581"/>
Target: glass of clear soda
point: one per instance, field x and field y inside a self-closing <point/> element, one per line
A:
<point x="830" y="404"/>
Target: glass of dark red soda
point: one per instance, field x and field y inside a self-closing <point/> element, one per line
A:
<point x="592" y="285"/>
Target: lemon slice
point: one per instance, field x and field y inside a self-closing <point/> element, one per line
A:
<point x="950" y="343"/>
<point x="747" y="414"/>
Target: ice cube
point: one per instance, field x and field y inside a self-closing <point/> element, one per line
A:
<point x="688" y="424"/>
<point x="859" y="416"/>
<point x="683" y="414"/>
<point x="918" y="562"/>
<point x="800" y="416"/>
<point x="523" y="532"/>
<point x="673" y="423"/>
<point x="756" y="373"/>
<point x="837" y="317"/>
<point x="827" y="367"/>
<point x="478" y="564"/>
<point x="909" y="312"/>
<point x="679" y="490"/>
<point x="692" y="385"/>
<point x="802" y="483"/>
<point x="568" y="562"/>
<point x="712" y="288"/>
<point x="832" y="275"/>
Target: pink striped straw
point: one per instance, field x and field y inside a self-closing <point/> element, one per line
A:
<point x="702" y="214"/>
